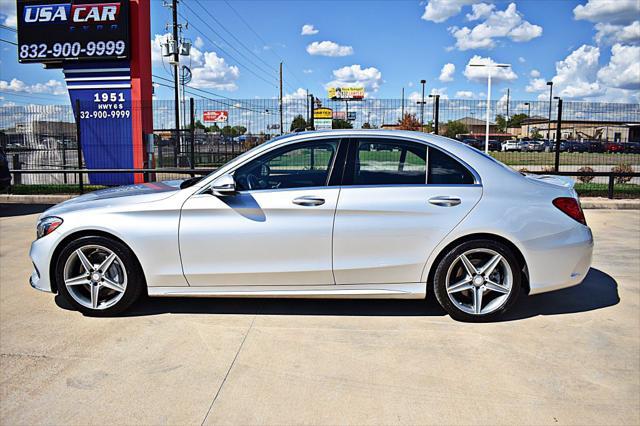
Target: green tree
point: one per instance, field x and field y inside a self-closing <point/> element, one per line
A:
<point x="239" y="130"/>
<point x="514" y="121"/>
<point x="501" y="123"/>
<point x="536" y="135"/>
<point x="227" y="131"/>
<point x="214" y="129"/>
<point x="341" y="124"/>
<point x="298" y="123"/>
<point x="455" y="128"/>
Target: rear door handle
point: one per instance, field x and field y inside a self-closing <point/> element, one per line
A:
<point x="445" y="201"/>
<point x="308" y="200"/>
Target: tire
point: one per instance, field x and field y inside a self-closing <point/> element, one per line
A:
<point x="93" y="291"/>
<point x="459" y="300"/>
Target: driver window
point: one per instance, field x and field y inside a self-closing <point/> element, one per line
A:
<point x="298" y="166"/>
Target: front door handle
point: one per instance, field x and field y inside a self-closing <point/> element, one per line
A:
<point x="308" y="200"/>
<point x="445" y="201"/>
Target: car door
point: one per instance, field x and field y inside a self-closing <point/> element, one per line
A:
<point x="398" y="200"/>
<point x="275" y="230"/>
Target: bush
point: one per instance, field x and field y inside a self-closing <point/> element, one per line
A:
<point x="585" y="179"/>
<point x="549" y="169"/>
<point x="622" y="168"/>
<point x="523" y="170"/>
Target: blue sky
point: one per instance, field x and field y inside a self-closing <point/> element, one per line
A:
<point x="591" y="49"/>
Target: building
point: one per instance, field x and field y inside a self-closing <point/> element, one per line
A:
<point x="580" y="130"/>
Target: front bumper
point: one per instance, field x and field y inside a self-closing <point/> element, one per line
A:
<point x="40" y="254"/>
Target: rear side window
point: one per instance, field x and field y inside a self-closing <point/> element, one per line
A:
<point x="446" y="170"/>
<point x="388" y="162"/>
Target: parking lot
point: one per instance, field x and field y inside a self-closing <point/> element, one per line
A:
<point x="569" y="357"/>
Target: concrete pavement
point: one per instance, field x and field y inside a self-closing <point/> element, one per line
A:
<point x="569" y="357"/>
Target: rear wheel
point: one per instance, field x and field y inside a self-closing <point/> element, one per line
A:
<point x="477" y="280"/>
<point x="99" y="276"/>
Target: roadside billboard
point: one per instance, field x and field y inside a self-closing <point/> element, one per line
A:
<point x="346" y="93"/>
<point x="215" y="116"/>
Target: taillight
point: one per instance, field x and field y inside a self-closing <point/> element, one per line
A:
<point x="570" y="207"/>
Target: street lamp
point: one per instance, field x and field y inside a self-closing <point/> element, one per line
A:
<point x="528" y="104"/>
<point x="490" y="67"/>
<point x="422" y="106"/>
<point x="550" y="84"/>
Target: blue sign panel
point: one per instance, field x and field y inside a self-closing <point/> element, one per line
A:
<point x="104" y="97"/>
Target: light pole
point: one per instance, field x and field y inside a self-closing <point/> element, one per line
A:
<point x="489" y="68"/>
<point x="550" y="84"/>
<point x="422" y="106"/>
<point x="528" y="104"/>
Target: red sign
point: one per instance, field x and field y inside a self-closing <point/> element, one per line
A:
<point x="215" y="116"/>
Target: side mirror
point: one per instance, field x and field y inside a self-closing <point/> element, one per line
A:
<point x="224" y="185"/>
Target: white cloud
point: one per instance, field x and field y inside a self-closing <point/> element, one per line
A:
<point x="199" y="43"/>
<point x="355" y="75"/>
<point x="481" y="73"/>
<point x="53" y="87"/>
<point x="521" y="59"/>
<point x="536" y="85"/>
<point x="441" y="91"/>
<point x="613" y="11"/>
<point x="215" y="74"/>
<point x="623" y="70"/>
<point x="307" y="71"/>
<point x="480" y="10"/>
<point x="308" y="29"/>
<point x="575" y="75"/>
<point x="610" y="33"/>
<point x="464" y="94"/>
<point x="446" y="74"/>
<point x="441" y="10"/>
<point x="329" y="48"/>
<point x="534" y="74"/>
<point x="498" y="24"/>
<point x="8" y="13"/>
<point x="295" y="97"/>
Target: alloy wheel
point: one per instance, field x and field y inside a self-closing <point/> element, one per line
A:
<point x="479" y="281"/>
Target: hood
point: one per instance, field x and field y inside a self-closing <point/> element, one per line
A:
<point x="120" y="195"/>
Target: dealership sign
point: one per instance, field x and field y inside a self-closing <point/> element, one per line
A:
<point x="215" y="116"/>
<point x="322" y="123"/>
<point x="323" y="113"/>
<point x="346" y="93"/>
<point x="52" y="31"/>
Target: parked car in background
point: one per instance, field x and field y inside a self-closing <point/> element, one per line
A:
<point x="476" y="143"/>
<point x="613" y="147"/>
<point x="573" y="146"/>
<point x="5" y="176"/>
<point x="535" y="146"/>
<point x="494" y="145"/>
<point x="632" y="147"/>
<point x="515" y="145"/>
<point x="325" y="214"/>
<point x="594" y="146"/>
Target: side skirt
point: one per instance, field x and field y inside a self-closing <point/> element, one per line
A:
<point x="351" y="291"/>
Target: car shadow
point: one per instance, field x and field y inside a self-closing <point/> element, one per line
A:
<point x="599" y="290"/>
<point x="12" y="210"/>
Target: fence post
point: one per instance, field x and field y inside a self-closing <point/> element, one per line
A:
<point x="193" y="134"/>
<point x="610" y="189"/>
<point x="64" y="161"/>
<point x="311" y="111"/>
<point x="17" y="165"/>
<point x="437" y="115"/>
<point x="79" y="147"/>
<point x="558" y="136"/>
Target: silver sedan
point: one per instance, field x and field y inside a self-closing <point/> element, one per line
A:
<point x="329" y="214"/>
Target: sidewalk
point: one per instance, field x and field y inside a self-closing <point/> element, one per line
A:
<point x="587" y="202"/>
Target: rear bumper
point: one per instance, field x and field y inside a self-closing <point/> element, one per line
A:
<point x="559" y="261"/>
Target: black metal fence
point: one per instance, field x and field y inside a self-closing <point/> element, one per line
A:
<point x="597" y="143"/>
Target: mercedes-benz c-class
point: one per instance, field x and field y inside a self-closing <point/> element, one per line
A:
<point x="327" y="214"/>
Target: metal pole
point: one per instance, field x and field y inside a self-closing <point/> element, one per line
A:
<point x="79" y="147"/>
<point x="312" y="105"/>
<point x="528" y="118"/>
<point x="281" y="117"/>
<point x="486" y="131"/>
<point x="558" y="135"/>
<point x="402" y="107"/>
<point x="422" y="107"/>
<point x="437" y="117"/>
<point x="550" y="84"/>
<point x="176" y="60"/>
<point x="507" y="117"/>
<point x="610" y="186"/>
<point x="193" y="134"/>
<point x="308" y="118"/>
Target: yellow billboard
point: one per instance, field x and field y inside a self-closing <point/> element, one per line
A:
<point x="346" y="93"/>
<point x="321" y="113"/>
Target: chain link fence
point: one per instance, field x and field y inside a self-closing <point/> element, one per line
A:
<point x="599" y="142"/>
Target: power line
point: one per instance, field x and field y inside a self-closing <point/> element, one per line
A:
<point x="223" y="50"/>
<point x="6" y="27"/>
<point x="262" y="40"/>
<point x="8" y="42"/>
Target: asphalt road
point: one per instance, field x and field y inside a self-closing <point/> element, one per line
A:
<point x="569" y="357"/>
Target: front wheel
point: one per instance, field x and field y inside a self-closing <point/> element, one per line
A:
<point x="477" y="280"/>
<point x="99" y="276"/>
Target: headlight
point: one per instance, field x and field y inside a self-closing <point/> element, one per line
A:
<point x="47" y="225"/>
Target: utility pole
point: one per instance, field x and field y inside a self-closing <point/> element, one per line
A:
<point x="176" y="64"/>
<point x="281" y="118"/>
<point x="402" y="108"/>
<point x="308" y="118"/>
<point x="507" y="117"/>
